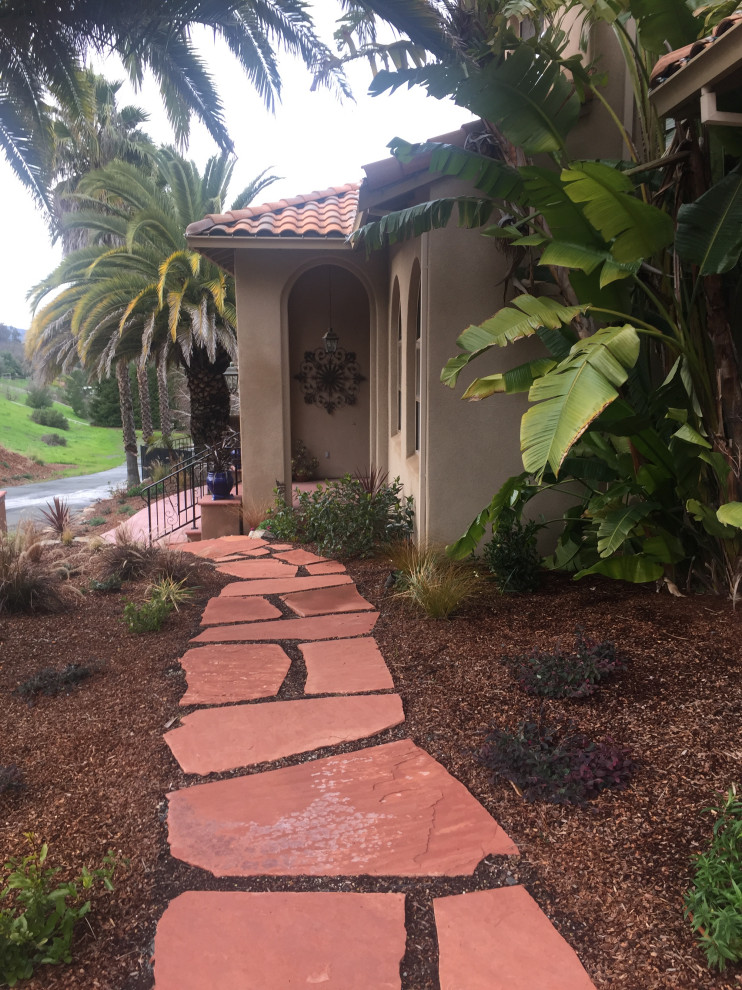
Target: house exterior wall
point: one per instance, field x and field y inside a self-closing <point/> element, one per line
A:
<point x="322" y="297"/>
<point x="265" y="274"/>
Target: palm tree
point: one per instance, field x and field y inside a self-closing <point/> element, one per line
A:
<point x="81" y="145"/>
<point x="153" y="289"/>
<point x="43" y="46"/>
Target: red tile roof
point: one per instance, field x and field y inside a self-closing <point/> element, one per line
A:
<point x="669" y="64"/>
<point x="327" y="213"/>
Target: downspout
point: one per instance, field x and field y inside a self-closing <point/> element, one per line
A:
<point x="421" y="509"/>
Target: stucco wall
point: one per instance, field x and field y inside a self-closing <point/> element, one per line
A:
<point x="322" y="297"/>
<point x="265" y="276"/>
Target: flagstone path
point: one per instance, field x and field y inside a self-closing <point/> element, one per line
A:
<point x="382" y="809"/>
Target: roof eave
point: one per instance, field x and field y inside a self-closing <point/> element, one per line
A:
<point x="218" y="248"/>
<point x="681" y="92"/>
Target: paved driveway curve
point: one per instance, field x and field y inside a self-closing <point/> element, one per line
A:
<point x="27" y="501"/>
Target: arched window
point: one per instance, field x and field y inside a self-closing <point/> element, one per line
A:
<point x="395" y="364"/>
<point x="413" y="373"/>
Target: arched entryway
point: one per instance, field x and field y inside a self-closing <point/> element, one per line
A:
<point x="330" y="393"/>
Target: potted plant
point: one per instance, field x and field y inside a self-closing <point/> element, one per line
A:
<point x="220" y="480"/>
<point x="303" y="465"/>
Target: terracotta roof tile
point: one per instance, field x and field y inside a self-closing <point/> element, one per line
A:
<point x="669" y="64"/>
<point x="326" y="213"/>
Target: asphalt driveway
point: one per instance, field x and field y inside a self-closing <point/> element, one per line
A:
<point x="27" y="501"/>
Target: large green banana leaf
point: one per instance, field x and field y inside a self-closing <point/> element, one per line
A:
<point x="572" y="395"/>
<point x="730" y="514"/>
<point x="710" y="230"/>
<point x="523" y="318"/>
<point x="510" y="498"/>
<point x="417" y="220"/>
<point x="492" y="177"/>
<point x="546" y="192"/>
<point x="530" y="99"/>
<point x="665" y="22"/>
<point x="636" y="568"/>
<point x="517" y="379"/>
<point x="617" y="526"/>
<point x="636" y="229"/>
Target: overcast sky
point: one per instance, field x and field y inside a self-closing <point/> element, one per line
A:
<point x="313" y="141"/>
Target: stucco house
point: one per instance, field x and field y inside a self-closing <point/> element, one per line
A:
<point x="396" y="313"/>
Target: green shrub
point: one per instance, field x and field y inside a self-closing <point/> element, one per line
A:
<point x="147" y="617"/>
<point x="96" y="520"/>
<point x="173" y="593"/>
<point x="343" y="519"/>
<point x="108" y="584"/>
<point x="54" y="440"/>
<point x="714" y="903"/>
<point x="38" y="918"/>
<point x="50" y="417"/>
<point x="512" y="556"/>
<point x="39" y="397"/>
<point x="567" y="675"/>
<point x="431" y="580"/>
<point x="562" y="768"/>
<point x="126" y="510"/>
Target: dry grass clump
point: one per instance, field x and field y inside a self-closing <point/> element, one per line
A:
<point x="26" y="585"/>
<point x="131" y="559"/>
<point x="429" y="579"/>
<point x="254" y="512"/>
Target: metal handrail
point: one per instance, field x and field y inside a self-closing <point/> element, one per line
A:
<point x="172" y="501"/>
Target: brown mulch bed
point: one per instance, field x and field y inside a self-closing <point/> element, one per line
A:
<point x="611" y="876"/>
<point x="15" y="469"/>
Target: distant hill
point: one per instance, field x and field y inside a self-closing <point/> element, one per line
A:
<point x="11" y="339"/>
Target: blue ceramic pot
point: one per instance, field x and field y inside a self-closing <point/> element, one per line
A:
<point x="220" y="484"/>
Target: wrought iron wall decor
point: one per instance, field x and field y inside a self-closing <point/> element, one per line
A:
<point x="330" y="380"/>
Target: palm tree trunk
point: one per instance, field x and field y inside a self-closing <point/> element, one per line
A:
<point x="209" y="397"/>
<point x="166" y="417"/>
<point x="127" y="421"/>
<point x="145" y="404"/>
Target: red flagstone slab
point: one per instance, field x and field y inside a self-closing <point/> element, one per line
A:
<point x="216" y="739"/>
<point x="345" y="666"/>
<point x="233" y="557"/>
<point x="276" y="586"/>
<point x="238" y="610"/>
<point x="341" y="598"/>
<point x="387" y="811"/>
<point x="329" y="567"/>
<point x="245" y="941"/>
<point x="218" y="675"/>
<point x="221" y="546"/>
<point x="502" y="940"/>
<point x="316" y="627"/>
<point x="281" y="546"/>
<point x="267" y="568"/>
<point x="300" y="557"/>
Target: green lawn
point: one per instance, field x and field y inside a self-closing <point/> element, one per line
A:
<point x="89" y="448"/>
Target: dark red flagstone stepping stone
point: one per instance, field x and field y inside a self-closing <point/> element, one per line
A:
<point x="260" y="567"/>
<point x="316" y="627"/>
<point x="238" y="610"/>
<point x="216" y="739"/>
<point x="280" y="546"/>
<point x="300" y="557"/>
<point x="345" y="666"/>
<point x="502" y="940"/>
<point x="277" y="586"/>
<point x="341" y="598"/>
<point x="221" y="546"/>
<point x="328" y="567"/>
<point x="244" y="941"/>
<point x="219" y="675"/>
<point x="387" y="811"/>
